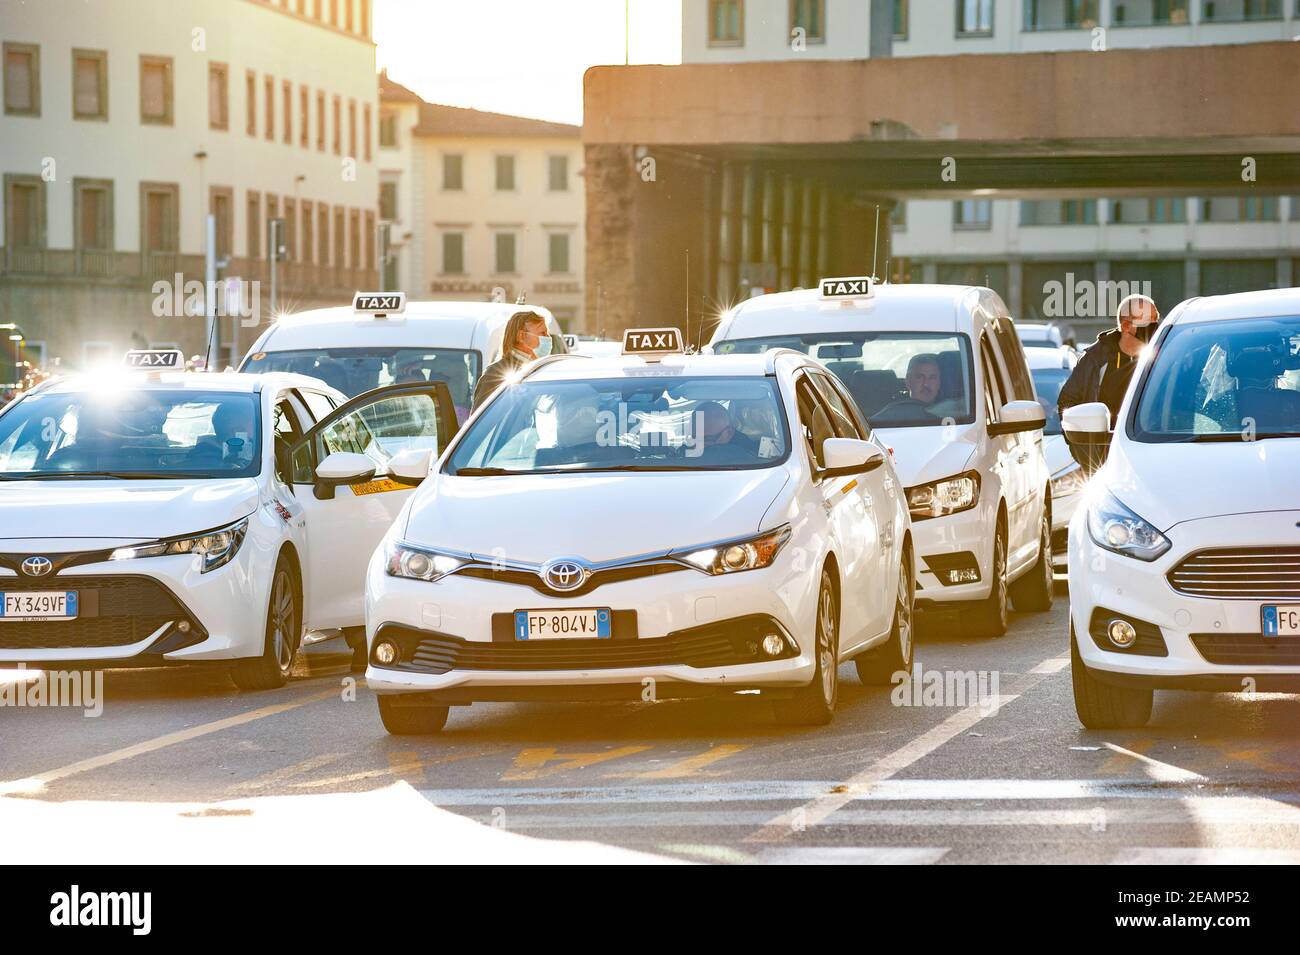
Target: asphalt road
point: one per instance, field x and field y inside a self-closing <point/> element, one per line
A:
<point x="182" y="767"/>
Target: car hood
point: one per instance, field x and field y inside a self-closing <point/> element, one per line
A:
<point x="929" y="454"/>
<point x="1168" y="484"/>
<point x="120" y="510"/>
<point x="535" y="517"/>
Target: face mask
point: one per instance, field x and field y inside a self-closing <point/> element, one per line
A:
<point x="1143" y="333"/>
<point x="543" y="346"/>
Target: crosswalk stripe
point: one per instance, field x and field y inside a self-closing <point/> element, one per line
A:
<point x="850" y="855"/>
<point x="1181" y="855"/>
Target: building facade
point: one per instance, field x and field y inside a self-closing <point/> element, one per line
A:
<point x="1183" y="245"/>
<point x="481" y="205"/>
<point x="121" y="134"/>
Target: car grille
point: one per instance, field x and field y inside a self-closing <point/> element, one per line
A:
<point x="1248" y="649"/>
<point x="598" y="578"/>
<point x="116" y="611"/>
<point x="1256" y="573"/>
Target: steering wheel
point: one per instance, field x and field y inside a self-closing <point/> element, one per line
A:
<point x="909" y="405"/>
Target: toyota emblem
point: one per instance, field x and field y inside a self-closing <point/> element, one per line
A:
<point x="37" y="566"/>
<point x="564" y="574"/>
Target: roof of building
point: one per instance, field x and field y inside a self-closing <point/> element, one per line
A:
<point x="439" y="120"/>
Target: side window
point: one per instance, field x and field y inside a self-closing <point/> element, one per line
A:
<point x="843" y="420"/>
<point x="814" y="421"/>
<point x="992" y="382"/>
<point x="1013" y="357"/>
<point x="287" y="430"/>
<point x="317" y="403"/>
<point x="381" y="428"/>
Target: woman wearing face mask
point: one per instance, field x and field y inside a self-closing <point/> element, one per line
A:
<point x="525" y="339"/>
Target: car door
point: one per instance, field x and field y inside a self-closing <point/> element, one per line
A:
<point x="1003" y="450"/>
<point x="345" y="523"/>
<point x="1028" y="461"/>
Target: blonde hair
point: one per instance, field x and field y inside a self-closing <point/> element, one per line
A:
<point x="510" y="337"/>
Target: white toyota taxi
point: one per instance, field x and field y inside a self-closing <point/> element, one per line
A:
<point x="1185" y="554"/>
<point x="157" y="517"/>
<point x="940" y="375"/>
<point x="645" y="526"/>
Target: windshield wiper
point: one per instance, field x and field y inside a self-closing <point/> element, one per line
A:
<point x="117" y="475"/>
<point x="487" y="472"/>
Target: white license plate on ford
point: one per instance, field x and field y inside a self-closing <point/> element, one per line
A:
<point x="39" y="605"/>
<point x="593" y="624"/>
<point x="1281" y="620"/>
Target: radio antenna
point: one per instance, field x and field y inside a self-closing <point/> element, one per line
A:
<point x="875" y="246"/>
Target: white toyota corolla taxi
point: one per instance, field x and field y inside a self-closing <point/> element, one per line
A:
<point x="940" y="375"/>
<point x="645" y="526"/>
<point x="153" y="518"/>
<point x="1185" y="553"/>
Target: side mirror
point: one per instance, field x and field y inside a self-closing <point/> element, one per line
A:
<point x="845" y="456"/>
<point x="411" y="466"/>
<point x="1018" y="416"/>
<point x="339" y="468"/>
<point x="1087" y="423"/>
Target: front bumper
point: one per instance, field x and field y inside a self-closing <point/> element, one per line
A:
<point x="964" y="540"/>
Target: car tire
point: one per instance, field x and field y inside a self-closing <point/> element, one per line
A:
<point x="1033" y="592"/>
<point x="877" y="666"/>
<point x="356" y="641"/>
<point x="1104" y="706"/>
<point x="814" y="704"/>
<point x="407" y="720"/>
<point x="283" y="636"/>
<point x="988" y="617"/>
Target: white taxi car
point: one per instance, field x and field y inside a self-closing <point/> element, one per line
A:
<point x="373" y="344"/>
<point x="940" y="375"/>
<point x="173" y="518"/>
<point x="1185" y="555"/>
<point x="652" y="523"/>
<point x="1051" y="368"/>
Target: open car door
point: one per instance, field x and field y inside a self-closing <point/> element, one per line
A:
<point x="342" y="477"/>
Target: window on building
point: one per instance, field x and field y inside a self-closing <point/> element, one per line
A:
<point x="900" y="19"/>
<point x="340" y="240"/>
<point x="304" y="114"/>
<point x="218" y="96"/>
<point x="290" y="234"/>
<point x="558" y="253"/>
<point x="253" y="224"/>
<point x="320" y="121"/>
<point x="505" y="169"/>
<point x="159" y="220"/>
<point x="352" y="125"/>
<point x="898" y="216"/>
<point x="268" y="121"/>
<point x="250" y="103"/>
<point x="1143" y="210"/>
<point x="89" y="84"/>
<point x="388" y="201"/>
<point x="363" y="19"/>
<point x="1058" y="212"/>
<point x="22" y="79"/>
<point x="505" y="253"/>
<point x="334" y="13"/>
<point x="1226" y="276"/>
<point x="1144" y="13"/>
<point x="338" y="126"/>
<point x="94" y="214"/>
<point x="370" y="240"/>
<point x="1060" y="14"/>
<point x="286" y="117"/>
<point x="453" y="253"/>
<point x="156" y="90"/>
<point x="354" y="238"/>
<point x="308" y="244"/>
<point x="557" y="173"/>
<point x="365" y="130"/>
<point x="810" y="17"/>
<point x="24" y="212"/>
<point x="726" y="22"/>
<point x="222" y="209"/>
<point x="387" y="129"/>
<point x="974" y="17"/>
<point x="1229" y="11"/>
<point x="453" y="172"/>
<point x="1240" y="209"/>
<point x="322" y="234"/>
<point x="972" y="214"/>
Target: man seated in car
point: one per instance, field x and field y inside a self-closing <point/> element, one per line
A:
<point x="720" y="441"/>
<point x="924" y="381"/>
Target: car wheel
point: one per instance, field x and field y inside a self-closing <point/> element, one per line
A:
<point x="878" y="665"/>
<point x="271" y="670"/>
<point x="1033" y="592"/>
<point x="403" y="719"/>
<point x="356" y="641"/>
<point x="1103" y="706"/>
<point x="988" y="617"/>
<point x="814" y="704"/>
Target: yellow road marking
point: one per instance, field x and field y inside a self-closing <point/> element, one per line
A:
<point x="387" y="770"/>
<point x="531" y="763"/>
<point x="276" y="777"/>
<point x="406" y="764"/>
<point x="689" y="766"/>
<point x="1165" y="772"/>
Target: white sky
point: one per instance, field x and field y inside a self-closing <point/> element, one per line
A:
<point x="525" y="57"/>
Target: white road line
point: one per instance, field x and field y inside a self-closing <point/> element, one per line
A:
<point x="34" y="784"/>
<point x="1164" y="772"/>
<point x="1054" y="665"/>
<point x="280" y="776"/>
<point x="1178" y="855"/>
<point x="851" y="855"/>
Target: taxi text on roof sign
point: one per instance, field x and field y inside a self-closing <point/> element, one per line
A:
<point x="170" y="359"/>
<point x="851" y="286"/>
<point x="652" y="343"/>
<point x="379" y="303"/>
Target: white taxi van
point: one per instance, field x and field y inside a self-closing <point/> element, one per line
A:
<point x="644" y="526"/>
<point x="156" y="517"/>
<point x="384" y="339"/>
<point x="940" y="375"/>
<point x="1185" y="554"/>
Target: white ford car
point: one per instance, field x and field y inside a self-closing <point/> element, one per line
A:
<point x="149" y="519"/>
<point x="1185" y="554"/>
<point x="651" y="523"/>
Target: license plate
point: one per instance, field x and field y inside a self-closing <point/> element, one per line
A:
<point x="562" y="624"/>
<point x="40" y="605"/>
<point x="1281" y="620"/>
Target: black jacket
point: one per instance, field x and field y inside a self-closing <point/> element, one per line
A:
<point x="1084" y="384"/>
<point x="494" y="374"/>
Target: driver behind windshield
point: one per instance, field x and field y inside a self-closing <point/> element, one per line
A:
<point x="925" y="383"/>
<point x="232" y="438"/>
<point x="718" y="437"/>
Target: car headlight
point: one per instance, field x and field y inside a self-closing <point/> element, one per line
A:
<point x="1115" y="528"/>
<point x="419" y="563"/>
<point x="941" y="498"/>
<point x="746" y="553"/>
<point x="1070" y="480"/>
<point x="217" y="547"/>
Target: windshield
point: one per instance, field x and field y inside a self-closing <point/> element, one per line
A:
<point x="660" y="423"/>
<point x="357" y="370"/>
<point x="899" y="379"/>
<point x="1235" y="380"/>
<point x="1047" y="385"/>
<point x="131" y="433"/>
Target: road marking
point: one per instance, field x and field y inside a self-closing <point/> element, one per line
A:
<point x="851" y="855"/>
<point x="1162" y="772"/>
<point x="690" y="766"/>
<point x="531" y="763"/>
<point x="1054" y="665"/>
<point x="335" y="781"/>
<point x="34" y="784"/>
<point x="405" y="764"/>
<point x="1179" y="855"/>
<point x="277" y="777"/>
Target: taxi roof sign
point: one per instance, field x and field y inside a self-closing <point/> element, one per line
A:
<point x="154" y="359"/>
<point x="653" y="343"/>
<point x="851" y="286"/>
<point x="379" y="303"/>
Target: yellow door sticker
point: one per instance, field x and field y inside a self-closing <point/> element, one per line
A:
<point x="376" y="487"/>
